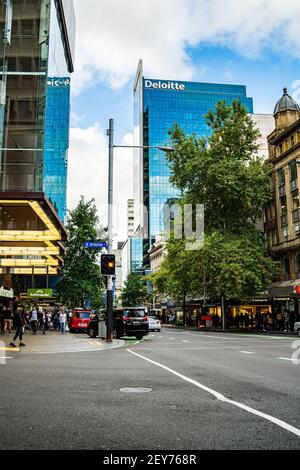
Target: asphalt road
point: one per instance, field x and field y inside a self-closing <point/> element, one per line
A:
<point x="209" y="391"/>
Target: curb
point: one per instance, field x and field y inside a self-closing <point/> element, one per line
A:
<point x="241" y="332"/>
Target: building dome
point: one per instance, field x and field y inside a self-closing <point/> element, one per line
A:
<point x="286" y="103"/>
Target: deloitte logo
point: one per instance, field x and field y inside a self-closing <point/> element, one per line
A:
<point x="58" y="82"/>
<point x="164" y="85"/>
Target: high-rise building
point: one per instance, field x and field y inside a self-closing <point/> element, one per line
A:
<point x="36" y="61"/>
<point x="158" y="106"/>
<point x="130" y="217"/>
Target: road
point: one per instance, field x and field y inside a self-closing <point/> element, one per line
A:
<point x="208" y="391"/>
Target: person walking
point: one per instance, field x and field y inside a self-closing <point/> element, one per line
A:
<point x="34" y="320"/>
<point x="19" y="322"/>
<point x="44" y="323"/>
<point x="8" y="320"/>
<point x="2" y="314"/>
<point x="62" y="322"/>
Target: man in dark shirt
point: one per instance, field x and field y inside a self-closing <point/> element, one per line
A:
<point x="2" y="319"/>
<point x="19" y="321"/>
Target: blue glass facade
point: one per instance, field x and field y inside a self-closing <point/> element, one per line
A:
<point x="57" y="118"/>
<point x="57" y="143"/>
<point x="158" y="106"/>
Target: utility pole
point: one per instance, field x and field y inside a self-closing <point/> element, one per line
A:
<point x="109" y="294"/>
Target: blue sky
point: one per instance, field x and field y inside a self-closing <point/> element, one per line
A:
<point x="254" y="43"/>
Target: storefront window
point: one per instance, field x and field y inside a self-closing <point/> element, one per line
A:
<point x="298" y="265"/>
<point x="286" y="268"/>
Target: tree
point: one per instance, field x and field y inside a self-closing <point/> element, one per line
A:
<point x="224" y="173"/>
<point x="135" y="292"/>
<point x="81" y="278"/>
<point x="176" y="277"/>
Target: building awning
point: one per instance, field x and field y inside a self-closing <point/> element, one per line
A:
<point x="31" y="235"/>
<point x="282" y="289"/>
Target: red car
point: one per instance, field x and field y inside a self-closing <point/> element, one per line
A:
<point x="80" y="320"/>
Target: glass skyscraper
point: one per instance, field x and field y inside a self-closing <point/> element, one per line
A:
<point x="36" y="61"/>
<point x="158" y="105"/>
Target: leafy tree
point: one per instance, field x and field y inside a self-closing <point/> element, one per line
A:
<point x="81" y="278"/>
<point x="222" y="171"/>
<point x="135" y="292"/>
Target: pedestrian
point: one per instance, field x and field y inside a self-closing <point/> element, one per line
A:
<point x="246" y="318"/>
<point x="265" y="322"/>
<point x="19" y="322"/>
<point x="286" y="322"/>
<point x="2" y="314"/>
<point x="44" y="323"/>
<point x="34" y="320"/>
<point x="242" y="320"/>
<point x="62" y="321"/>
<point x="8" y="320"/>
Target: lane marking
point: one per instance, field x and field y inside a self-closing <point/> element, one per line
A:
<point x="184" y="341"/>
<point x="285" y="358"/>
<point x="209" y="348"/>
<point x="222" y="398"/>
<point x="246" y="352"/>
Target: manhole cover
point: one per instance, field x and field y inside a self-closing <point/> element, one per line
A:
<point x="135" y="390"/>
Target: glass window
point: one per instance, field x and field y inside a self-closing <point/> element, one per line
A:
<point x="281" y="177"/>
<point x="298" y="265"/>
<point x="293" y="170"/>
<point x="286" y="268"/>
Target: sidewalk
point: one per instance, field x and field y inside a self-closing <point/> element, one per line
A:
<point x="233" y="331"/>
<point x="54" y="343"/>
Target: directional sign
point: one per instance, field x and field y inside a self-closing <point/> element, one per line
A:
<point x="96" y="245"/>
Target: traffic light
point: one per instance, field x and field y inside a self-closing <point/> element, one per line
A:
<point x="108" y="265"/>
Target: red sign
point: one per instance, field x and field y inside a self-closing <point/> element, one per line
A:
<point x="297" y="290"/>
<point x="208" y="318"/>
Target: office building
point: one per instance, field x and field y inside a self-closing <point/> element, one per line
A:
<point x="158" y="105"/>
<point x="130" y="217"/>
<point x="36" y="62"/>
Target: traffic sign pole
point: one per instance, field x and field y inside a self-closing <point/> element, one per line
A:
<point x="109" y="297"/>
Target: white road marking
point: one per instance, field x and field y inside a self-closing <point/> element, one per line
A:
<point x="246" y="352"/>
<point x="184" y="341"/>
<point x="285" y="358"/>
<point x="222" y="398"/>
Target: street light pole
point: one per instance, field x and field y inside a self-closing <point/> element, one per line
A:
<point x="109" y="293"/>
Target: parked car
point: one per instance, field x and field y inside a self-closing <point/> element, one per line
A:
<point x="154" y="324"/>
<point x="80" y="320"/>
<point x="126" y="322"/>
<point x="297" y="328"/>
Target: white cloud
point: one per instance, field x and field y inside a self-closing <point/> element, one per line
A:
<point x="112" y="35"/>
<point x="88" y="174"/>
<point x="76" y="119"/>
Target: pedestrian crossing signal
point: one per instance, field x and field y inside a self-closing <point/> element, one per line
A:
<point x="108" y="265"/>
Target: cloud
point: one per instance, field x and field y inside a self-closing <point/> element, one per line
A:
<point x="88" y="174"/>
<point x="112" y="35"/>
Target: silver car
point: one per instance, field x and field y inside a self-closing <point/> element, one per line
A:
<point x="154" y="324"/>
<point x="297" y="328"/>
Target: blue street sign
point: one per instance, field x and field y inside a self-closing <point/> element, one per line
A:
<point x="96" y="245"/>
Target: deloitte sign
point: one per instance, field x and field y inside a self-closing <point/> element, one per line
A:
<point x="164" y="85"/>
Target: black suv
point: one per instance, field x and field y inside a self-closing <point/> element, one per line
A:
<point x="129" y="321"/>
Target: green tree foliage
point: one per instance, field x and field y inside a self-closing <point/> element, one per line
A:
<point x="135" y="293"/>
<point x="81" y="277"/>
<point x="224" y="173"/>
